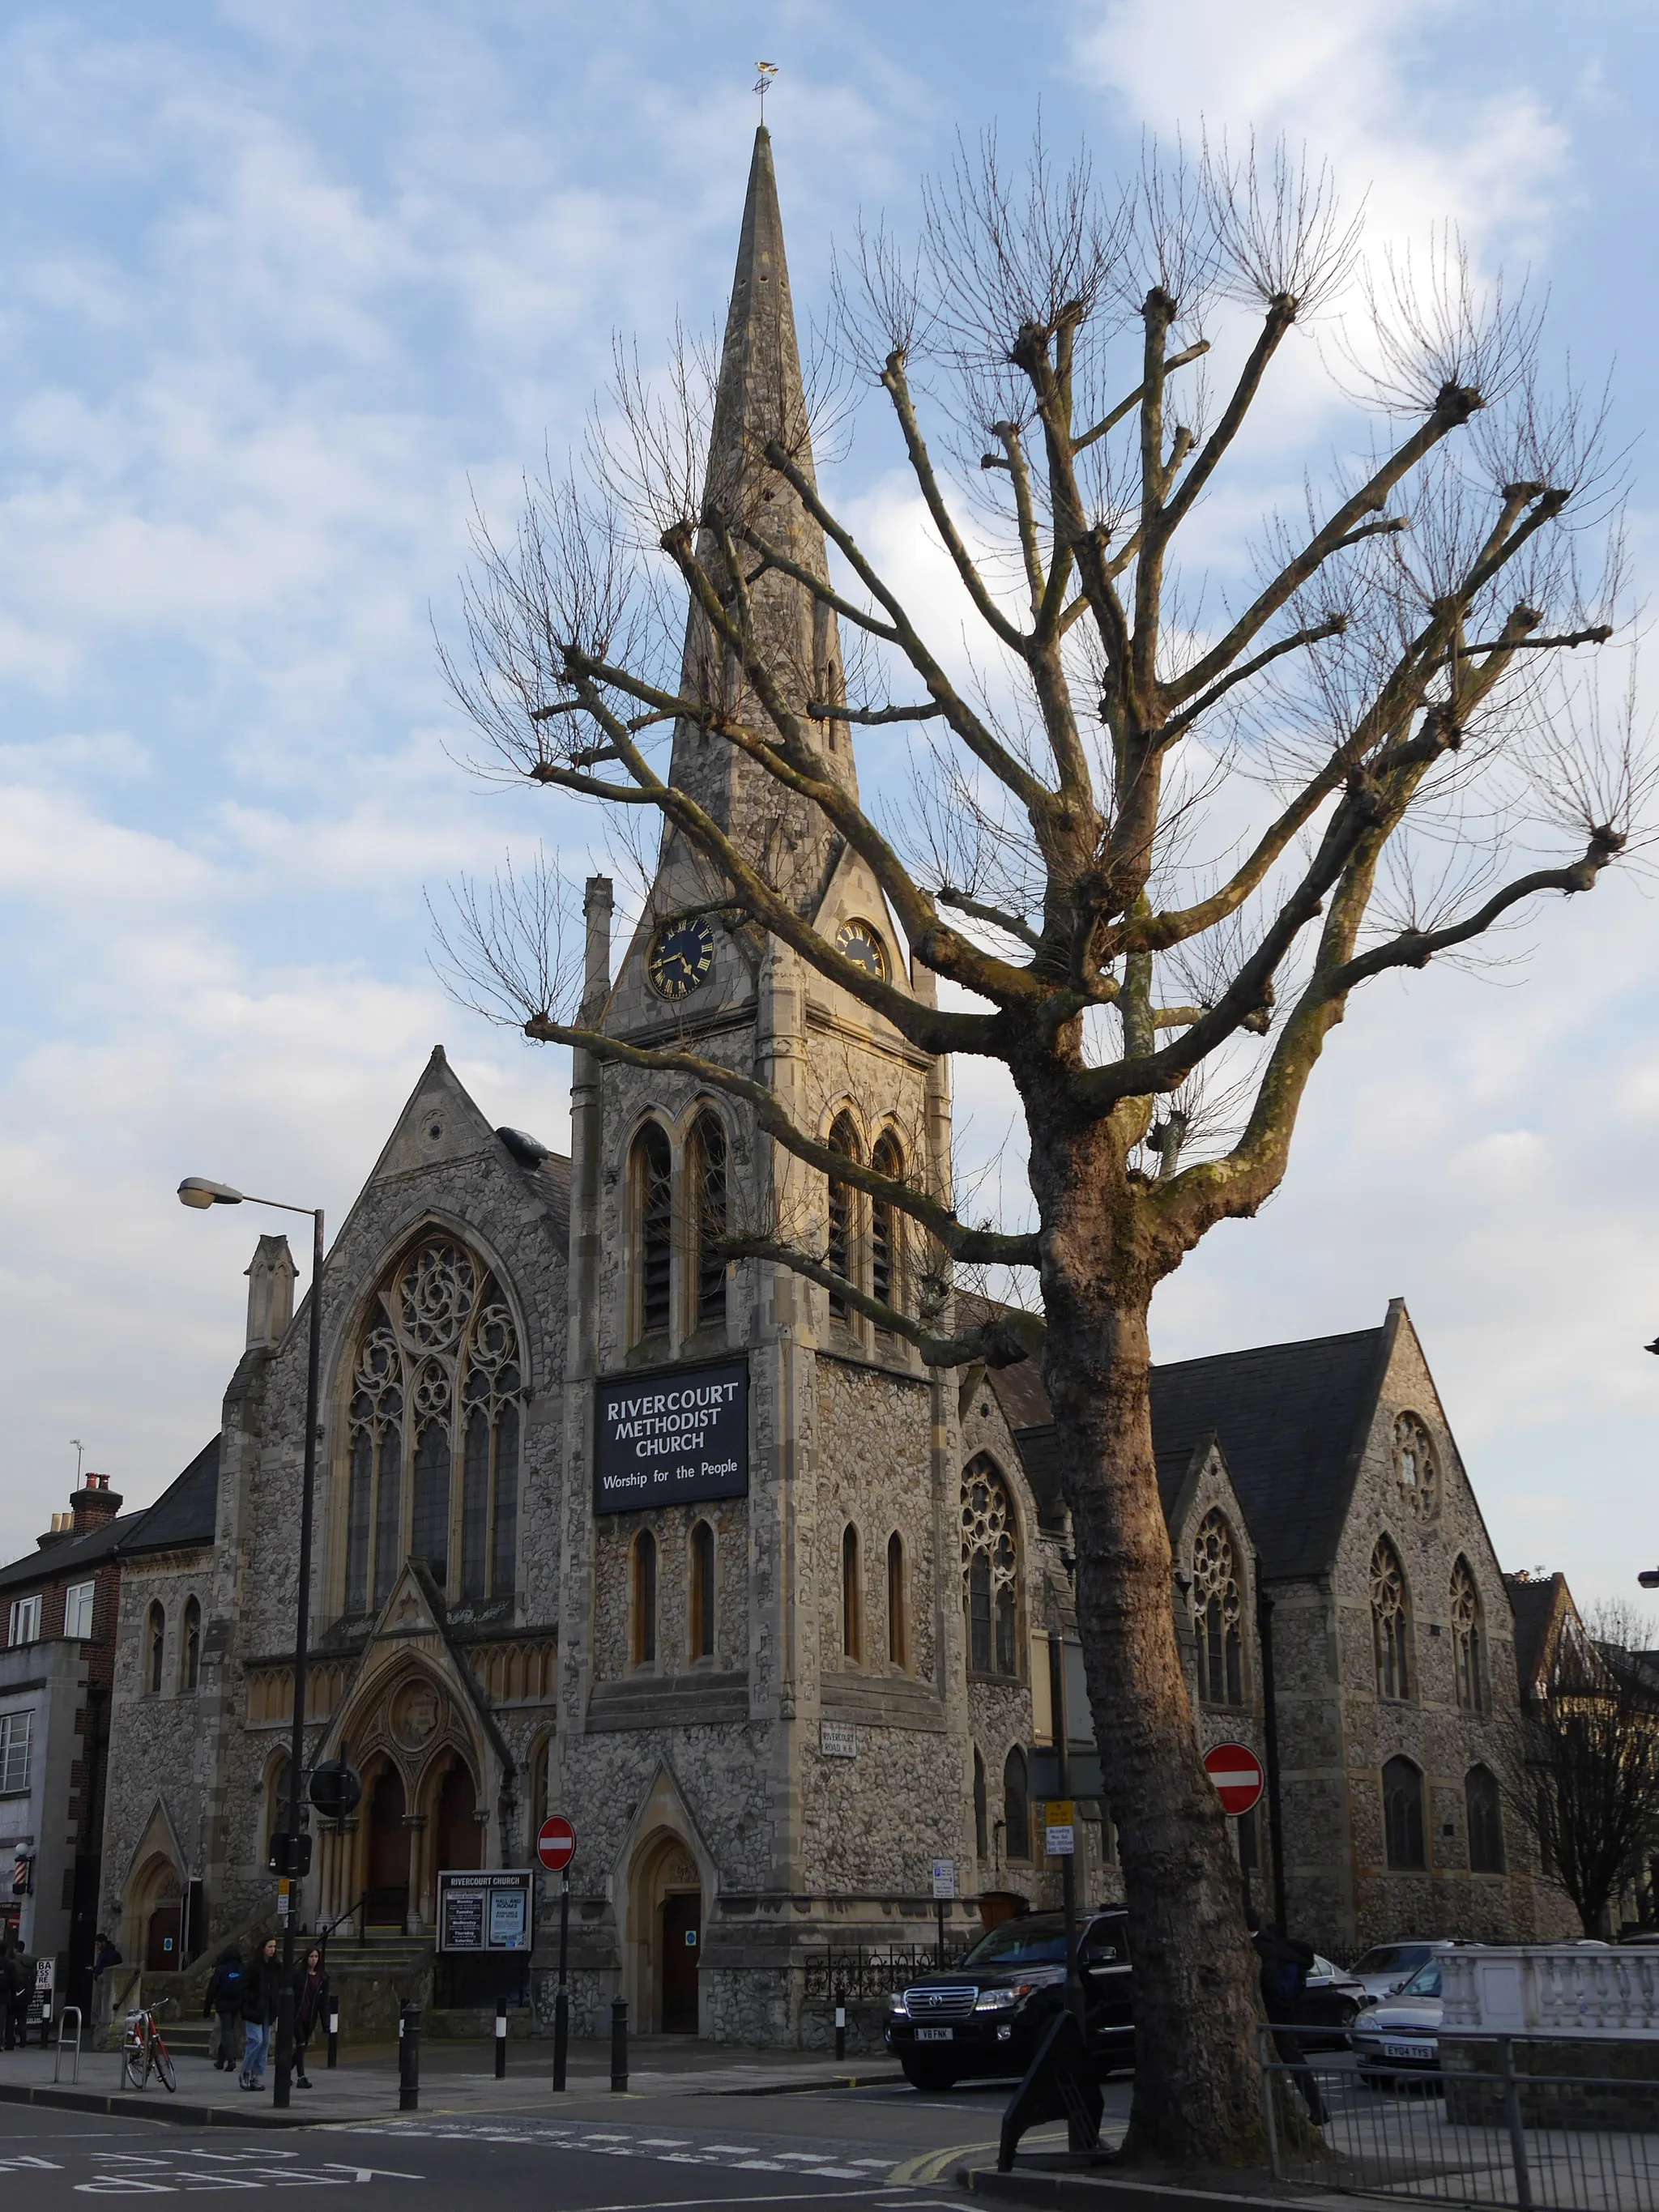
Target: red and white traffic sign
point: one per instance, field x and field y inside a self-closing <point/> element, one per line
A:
<point x="555" y="1843"/>
<point x="1237" y="1773"/>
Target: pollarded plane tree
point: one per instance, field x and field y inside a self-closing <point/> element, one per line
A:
<point x="1157" y="841"/>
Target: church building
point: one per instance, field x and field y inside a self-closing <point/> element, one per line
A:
<point x="690" y="1551"/>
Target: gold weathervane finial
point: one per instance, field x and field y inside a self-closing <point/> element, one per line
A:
<point x="764" y="73"/>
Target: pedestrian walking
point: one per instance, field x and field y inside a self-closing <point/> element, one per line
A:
<point x="1286" y="1965"/>
<point x="310" y="2006"/>
<point x="224" y="1997"/>
<point x="261" y="1991"/>
<point x="14" y="1992"/>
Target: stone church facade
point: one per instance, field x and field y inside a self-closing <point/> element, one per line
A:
<point x="771" y="1696"/>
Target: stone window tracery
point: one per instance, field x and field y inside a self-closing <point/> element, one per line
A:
<point x="1390" y="1622"/>
<point x="706" y="1164"/>
<point x="1217" y="1607"/>
<point x="653" y="1178"/>
<point x="1416" y="1468"/>
<point x="1468" y="1640"/>
<point x="886" y="1267"/>
<point x="990" y="1571"/>
<point x="841" y="1250"/>
<point x="437" y="1387"/>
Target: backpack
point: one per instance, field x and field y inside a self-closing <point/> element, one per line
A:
<point x="1287" y="1980"/>
<point x="230" y="1984"/>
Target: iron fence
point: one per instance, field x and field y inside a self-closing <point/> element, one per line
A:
<point x="1498" y="2134"/>
<point x="865" y="1976"/>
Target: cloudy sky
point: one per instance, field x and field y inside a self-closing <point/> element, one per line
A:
<point x="284" y="284"/>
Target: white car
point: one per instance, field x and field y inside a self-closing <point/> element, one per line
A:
<point x="1387" y="1967"/>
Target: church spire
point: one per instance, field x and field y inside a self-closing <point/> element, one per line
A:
<point x="760" y="397"/>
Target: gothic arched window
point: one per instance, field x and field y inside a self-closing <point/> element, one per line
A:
<point x="841" y="1252"/>
<point x="886" y="1270"/>
<point x="1402" y="1815"/>
<point x="1416" y="1468"/>
<point x="701" y="1608"/>
<point x="705" y="1158"/>
<point x="1016" y="1807"/>
<point x="990" y="1571"/>
<point x="651" y="1174"/>
<point x="190" y="1646"/>
<point x="155" y="1650"/>
<point x="1390" y="1622"/>
<point x="897" y="1640"/>
<point x="1468" y="1640"/>
<point x="644" y="1595"/>
<point x="981" y="1808"/>
<point x="1217" y="1606"/>
<point x="1486" y="1820"/>
<point x="852" y="1597"/>
<point x="436" y="1386"/>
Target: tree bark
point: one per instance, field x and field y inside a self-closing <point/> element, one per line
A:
<point x="1198" y="2091"/>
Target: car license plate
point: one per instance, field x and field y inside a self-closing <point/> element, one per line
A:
<point x="1407" y="2050"/>
<point x="935" y="2034"/>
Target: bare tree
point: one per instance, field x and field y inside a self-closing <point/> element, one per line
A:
<point x="1592" y="1748"/>
<point x="1157" y="836"/>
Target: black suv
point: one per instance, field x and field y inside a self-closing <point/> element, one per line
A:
<point x="988" y="2015"/>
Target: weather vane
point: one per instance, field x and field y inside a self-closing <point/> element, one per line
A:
<point x="764" y="73"/>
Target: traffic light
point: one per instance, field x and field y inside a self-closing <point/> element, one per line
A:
<point x="280" y="1848"/>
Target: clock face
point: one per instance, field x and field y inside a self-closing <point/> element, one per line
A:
<point x="682" y="953"/>
<point x="860" y="941"/>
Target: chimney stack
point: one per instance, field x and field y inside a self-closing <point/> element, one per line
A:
<point x="92" y="1505"/>
<point x="270" y="1293"/>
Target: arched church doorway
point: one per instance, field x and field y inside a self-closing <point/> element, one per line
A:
<point x="459" y="1837"/>
<point x="162" y="1934"/>
<point x="386" y="1905"/>
<point x="667" y="1917"/>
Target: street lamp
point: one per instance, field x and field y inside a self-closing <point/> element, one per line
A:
<point x="197" y="1191"/>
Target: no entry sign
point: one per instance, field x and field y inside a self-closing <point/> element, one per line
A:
<point x="1237" y="1773"/>
<point x="555" y="1843"/>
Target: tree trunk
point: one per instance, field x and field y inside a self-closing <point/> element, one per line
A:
<point x="1198" y="2091"/>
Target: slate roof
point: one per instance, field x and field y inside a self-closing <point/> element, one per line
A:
<point x="185" y="1513"/>
<point x="1289" y="1418"/>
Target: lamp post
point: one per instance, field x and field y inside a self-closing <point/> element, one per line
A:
<point x="197" y="1191"/>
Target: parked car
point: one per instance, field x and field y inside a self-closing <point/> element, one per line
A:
<point x="1401" y="2034"/>
<point x="988" y="2015"/>
<point x="1332" y="2002"/>
<point x="1387" y="1967"/>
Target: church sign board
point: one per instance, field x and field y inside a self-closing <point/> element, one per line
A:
<point x="484" y="1913"/>
<point x="671" y="1437"/>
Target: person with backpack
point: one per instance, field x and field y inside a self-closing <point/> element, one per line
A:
<point x="1286" y="1965"/>
<point x="224" y="1996"/>
<point x="261" y="1986"/>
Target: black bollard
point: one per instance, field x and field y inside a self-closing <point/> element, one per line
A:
<point x="840" y="2023"/>
<point x="561" y="2035"/>
<point x="500" y="2038"/>
<point x="334" y="2030"/>
<point x="409" y="2058"/>
<point x="619" y="2043"/>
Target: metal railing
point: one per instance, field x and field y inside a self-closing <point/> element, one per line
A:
<point x="1497" y="2134"/>
<point x="864" y="1975"/>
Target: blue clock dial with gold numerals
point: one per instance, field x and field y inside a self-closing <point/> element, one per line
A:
<point x="682" y="953"/>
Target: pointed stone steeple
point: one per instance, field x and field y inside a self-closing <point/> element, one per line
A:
<point x="760" y="397"/>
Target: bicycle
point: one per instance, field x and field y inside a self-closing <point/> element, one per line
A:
<point x="145" y="2052"/>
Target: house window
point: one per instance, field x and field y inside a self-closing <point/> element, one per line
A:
<point x="990" y="1571"/>
<point x="653" y="1207"/>
<point x="16" y="1729"/>
<point x="703" y="1591"/>
<point x="190" y="1655"/>
<point x="24" y="1626"/>
<point x="981" y="1809"/>
<point x="1416" y="1469"/>
<point x="840" y="1253"/>
<point x="1390" y="1623"/>
<point x="1402" y="1816"/>
<point x="435" y="1394"/>
<point x="645" y="1599"/>
<point x="886" y="1270"/>
<point x="897" y="1643"/>
<point x="1484" y="1820"/>
<point x="1016" y="1806"/>
<point x="155" y="1650"/>
<point x="77" y="1610"/>
<point x="852" y="1598"/>
<point x="1217" y="1607"/>
<point x="706" y="1160"/>
<point x="1468" y="1640"/>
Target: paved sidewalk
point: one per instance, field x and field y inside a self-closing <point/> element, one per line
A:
<point x="455" y="2078"/>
